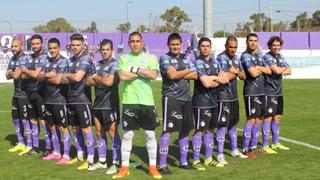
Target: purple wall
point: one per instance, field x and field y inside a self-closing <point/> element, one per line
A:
<point x="314" y="40"/>
<point x="295" y="40"/>
<point x="264" y="37"/>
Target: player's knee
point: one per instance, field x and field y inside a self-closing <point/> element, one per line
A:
<point x="150" y="135"/>
<point x="86" y="130"/>
<point x="251" y="121"/>
<point x="128" y="135"/>
<point x="278" y="118"/>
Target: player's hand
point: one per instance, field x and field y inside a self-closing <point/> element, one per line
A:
<point x="24" y="69"/>
<point x="133" y="69"/>
<point x="234" y="70"/>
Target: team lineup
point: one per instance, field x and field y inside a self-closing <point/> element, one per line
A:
<point x="54" y="92"/>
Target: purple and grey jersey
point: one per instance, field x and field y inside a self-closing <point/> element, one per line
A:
<point x="55" y="94"/>
<point x="252" y="86"/>
<point x="76" y="91"/>
<point x="107" y="97"/>
<point x="273" y="82"/>
<point x="205" y="97"/>
<point x="36" y="61"/>
<point x="19" y="84"/>
<point x="228" y="92"/>
<point x="176" y="89"/>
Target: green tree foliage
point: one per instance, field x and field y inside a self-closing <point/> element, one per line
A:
<point x="92" y="29"/>
<point x="142" y="28"/>
<point x="173" y="19"/>
<point x="301" y="23"/>
<point x="222" y="34"/>
<point x="54" y="26"/>
<point x="125" y="27"/>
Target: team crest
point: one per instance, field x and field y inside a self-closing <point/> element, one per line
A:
<point x="125" y="123"/>
<point x="253" y="111"/>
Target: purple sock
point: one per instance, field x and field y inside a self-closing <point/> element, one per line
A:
<point x="275" y="127"/>
<point x="164" y="141"/>
<point x="47" y="135"/>
<point x="255" y="135"/>
<point x="90" y="146"/>
<point x="66" y="143"/>
<point x="16" y="123"/>
<point x="196" y="144"/>
<point x="265" y="133"/>
<point x="246" y="135"/>
<point x="208" y="144"/>
<point x="184" y="147"/>
<point x="79" y="141"/>
<point x="35" y="135"/>
<point x="27" y="129"/>
<point x="116" y="148"/>
<point x="221" y="132"/>
<point x="55" y="141"/>
<point x="232" y="132"/>
<point x="102" y="147"/>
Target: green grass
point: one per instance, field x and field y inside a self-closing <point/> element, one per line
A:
<point x="300" y="122"/>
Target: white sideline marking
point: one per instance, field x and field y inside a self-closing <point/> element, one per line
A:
<point x="295" y="142"/>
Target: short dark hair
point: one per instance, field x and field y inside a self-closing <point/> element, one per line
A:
<point x="77" y="37"/>
<point x="135" y="33"/>
<point x="231" y="38"/>
<point x="54" y="40"/>
<point x="36" y="36"/>
<point x="274" y="38"/>
<point x="105" y="42"/>
<point x="251" y="35"/>
<point x="203" y="39"/>
<point x="174" y="36"/>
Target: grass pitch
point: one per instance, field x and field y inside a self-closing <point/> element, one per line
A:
<point x="301" y="122"/>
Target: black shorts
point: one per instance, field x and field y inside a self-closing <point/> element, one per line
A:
<point x="80" y="115"/>
<point x="36" y="106"/>
<point x="255" y="106"/>
<point x="235" y="117"/>
<point x="19" y="108"/>
<point x="224" y="117"/>
<point x="177" y="115"/>
<point x="106" y="117"/>
<point x="274" y="105"/>
<point x="56" y="114"/>
<point x="205" y="119"/>
<point x="136" y="116"/>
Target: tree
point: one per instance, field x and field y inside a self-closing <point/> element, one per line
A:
<point x="222" y="34"/>
<point x="315" y="20"/>
<point x="125" y="27"/>
<point x="280" y="26"/>
<point x="92" y="29"/>
<point x="301" y="23"/>
<point x="174" y="18"/>
<point x="55" y="25"/>
<point x="142" y="28"/>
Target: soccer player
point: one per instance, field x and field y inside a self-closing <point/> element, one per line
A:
<point x="106" y="106"/>
<point x="79" y="105"/>
<point x="19" y="100"/>
<point x="176" y="70"/>
<point x="273" y="89"/>
<point x="35" y="95"/>
<point x="136" y="70"/>
<point x="205" y="104"/>
<point x="228" y="99"/>
<point x="254" y="94"/>
<point x="56" y="108"/>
